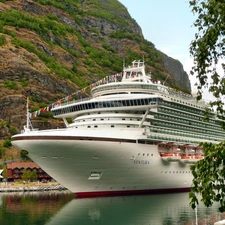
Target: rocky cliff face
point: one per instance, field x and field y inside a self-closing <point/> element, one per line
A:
<point x="176" y="69"/>
<point x="49" y="50"/>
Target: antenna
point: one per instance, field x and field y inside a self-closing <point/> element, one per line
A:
<point x="123" y="62"/>
<point x="27" y="112"/>
<point x="165" y="79"/>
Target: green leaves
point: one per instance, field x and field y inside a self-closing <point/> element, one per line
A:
<point x="209" y="175"/>
<point x="208" y="47"/>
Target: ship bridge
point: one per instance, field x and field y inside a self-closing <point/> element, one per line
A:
<point x="136" y="73"/>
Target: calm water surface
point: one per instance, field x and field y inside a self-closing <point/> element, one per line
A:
<point x="61" y="208"/>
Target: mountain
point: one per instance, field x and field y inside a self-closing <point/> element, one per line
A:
<point x="52" y="48"/>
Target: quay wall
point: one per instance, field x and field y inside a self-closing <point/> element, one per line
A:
<point x="31" y="187"/>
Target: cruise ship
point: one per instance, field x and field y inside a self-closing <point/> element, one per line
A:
<point x="132" y="136"/>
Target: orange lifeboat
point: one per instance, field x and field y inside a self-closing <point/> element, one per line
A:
<point x="191" y="158"/>
<point x="171" y="157"/>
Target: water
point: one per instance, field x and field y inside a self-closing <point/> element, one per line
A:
<point x="61" y="208"/>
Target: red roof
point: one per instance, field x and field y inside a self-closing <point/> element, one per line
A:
<point x="21" y="165"/>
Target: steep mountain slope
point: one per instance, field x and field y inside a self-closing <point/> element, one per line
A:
<point x="51" y="48"/>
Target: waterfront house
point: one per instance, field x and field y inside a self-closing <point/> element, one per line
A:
<point x="15" y="171"/>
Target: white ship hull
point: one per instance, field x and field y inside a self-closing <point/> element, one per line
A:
<point x="101" y="166"/>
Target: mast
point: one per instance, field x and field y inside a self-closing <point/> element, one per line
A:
<point x="28" y="125"/>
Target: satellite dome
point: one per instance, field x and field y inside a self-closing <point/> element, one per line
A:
<point x="194" y="93"/>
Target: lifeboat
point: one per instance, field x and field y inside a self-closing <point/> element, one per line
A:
<point x="171" y="157"/>
<point x="191" y="158"/>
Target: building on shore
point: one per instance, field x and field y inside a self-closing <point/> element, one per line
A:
<point x="15" y="171"/>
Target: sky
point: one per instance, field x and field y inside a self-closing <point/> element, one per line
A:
<point x="168" y="24"/>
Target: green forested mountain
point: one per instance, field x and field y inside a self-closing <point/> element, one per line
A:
<point x="51" y="48"/>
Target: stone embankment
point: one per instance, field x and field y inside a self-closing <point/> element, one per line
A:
<point x="28" y="188"/>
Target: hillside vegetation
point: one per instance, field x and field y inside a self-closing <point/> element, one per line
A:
<point x="52" y="48"/>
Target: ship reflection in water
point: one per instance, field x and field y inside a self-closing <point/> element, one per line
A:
<point x="64" y="209"/>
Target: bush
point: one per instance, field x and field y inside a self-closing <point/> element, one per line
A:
<point x="11" y="84"/>
<point x="24" y="83"/>
<point x="105" y="63"/>
<point x="89" y="62"/>
<point x="13" y="130"/>
<point x="46" y="114"/>
<point x="2" y="40"/>
<point x="109" y="48"/>
<point x="7" y="143"/>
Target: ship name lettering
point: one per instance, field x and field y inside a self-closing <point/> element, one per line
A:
<point x="141" y="162"/>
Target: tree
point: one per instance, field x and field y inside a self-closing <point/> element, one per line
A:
<point x="26" y="175"/>
<point x="208" y="51"/>
<point x="33" y="175"/>
<point x="208" y="48"/>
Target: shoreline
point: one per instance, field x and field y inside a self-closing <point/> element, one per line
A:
<point x="30" y="187"/>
